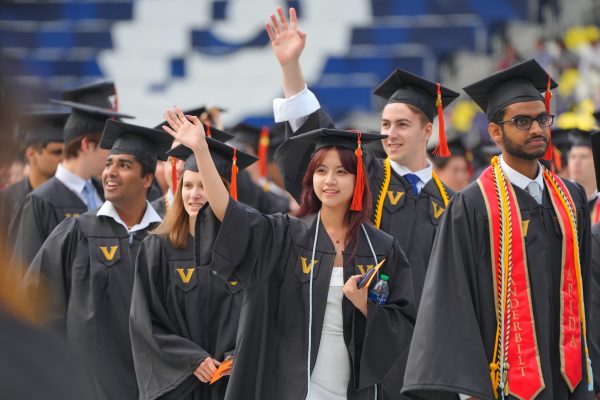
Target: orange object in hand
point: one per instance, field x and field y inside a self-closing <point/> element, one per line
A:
<point x="223" y="370"/>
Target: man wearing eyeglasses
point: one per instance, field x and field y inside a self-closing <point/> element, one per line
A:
<point x="506" y="296"/>
<point x="40" y="138"/>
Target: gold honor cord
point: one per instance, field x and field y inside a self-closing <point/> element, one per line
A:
<point x="387" y="176"/>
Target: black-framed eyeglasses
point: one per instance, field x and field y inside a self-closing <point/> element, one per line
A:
<point x="524" y="122"/>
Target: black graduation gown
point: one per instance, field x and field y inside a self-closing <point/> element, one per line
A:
<point x="154" y="192"/>
<point x="43" y="209"/>
<point x="268" y="255"/>
<point x="256" y="197"/>
<point x="10" y="199"/>
<point x="176" y="324"/>
<point x="38" y="365"/>
<point x="454" y="336"/>
<point x="89" y="262"/>
<point x="412" y="220"/>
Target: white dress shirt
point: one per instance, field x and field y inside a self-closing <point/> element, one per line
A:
<point x="520" y="180"/>
<point x="150" y="216"/>
<point x="295" y="109"/>
<point x="425" y="174"/>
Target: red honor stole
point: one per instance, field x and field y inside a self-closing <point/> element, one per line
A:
<point x="515" y="368"/>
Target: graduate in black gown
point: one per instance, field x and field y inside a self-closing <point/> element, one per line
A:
<point x="74" y="189"/>
<point x="289" y="268"/>
<point x="89" y="260"/>
<point x="40" y="135"/>
<point x="507" y="292"/>
<point x="184" y="319"/>
<point x="408" y="197"/>
<point x="595" y="245"/>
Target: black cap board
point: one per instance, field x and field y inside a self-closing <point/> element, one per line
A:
<point x="335" y="137"/>
<point x="403" y="87"/>
<point x="94" y="94"/>
<point x="146" y="144"/>
<point x="35" y="127"/>
<point x="221" y="153"/>
<point x="216" y="134"/>
<point x="85" y="119"/>
<point x="520" y="83"/>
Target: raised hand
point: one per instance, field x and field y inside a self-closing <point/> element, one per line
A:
<point x="186" y="129"/>
<point x="287" y="40"/>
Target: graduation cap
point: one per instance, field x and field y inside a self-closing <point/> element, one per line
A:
<point x="228" y="160"/>
<point x="519" y="83"/>
<point x="210" y="130"/>
<point x="85" y="119"/>
<point x="146" y="144"/>
<point x="94" y="94"/>
<point x="41" y="126"/>
<point x="595" y="139"/>
<point x="347" y="139"/>
<point x="429" y="97"/>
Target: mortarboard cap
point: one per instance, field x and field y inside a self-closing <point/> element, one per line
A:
<point x="276" y="138"/>
<point x="210" y="130"/>
<point x="429" y="97"/>
<point x="41" y="126"/>
<point x="403" y="87"/>
<point x="335" y="137"/>
<point x="222" y="155"/>
<point x="246" y="134"/>
<point x="520" y="83"/>
<point x="595" y="139"/>
<point x="146" y="144"/>
<point x="85" y="119"/>
<point x="228" y="160"/>
<point x="94" y="94"/>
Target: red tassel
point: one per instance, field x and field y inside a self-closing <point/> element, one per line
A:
<point x="174" y="174"/>
<point x="359" y="186"/>
<point x="547" y="99"/>
<point x="233" y="181"/>
<point x="208" y="133"/>
<point x="263" y="152"/>
<point x="441" y="150"/>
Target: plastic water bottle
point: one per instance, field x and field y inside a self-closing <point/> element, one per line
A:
<point x="380" y="292"/>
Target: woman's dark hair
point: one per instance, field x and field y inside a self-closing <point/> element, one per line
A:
<point x="310" y="203"/>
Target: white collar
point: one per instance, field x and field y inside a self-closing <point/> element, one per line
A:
<point x="69" y="179"/>
<point x="520" y="180"/>
<point x="150" y="216"/>
<point x="170" y="196"/>
<point x="424" y="174"/>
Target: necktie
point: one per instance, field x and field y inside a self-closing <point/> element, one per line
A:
<point x="89" y="191"/>
<point x="413" y="180"/>
<point x="534" y="190"/>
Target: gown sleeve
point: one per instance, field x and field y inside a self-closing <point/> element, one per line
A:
<point x="31" y="229"/>
<point x="249" y="244"/>
<point x="163" y="360"/>
<point x="51" y="267"/>
<point x="382" y="337"/>
<point x="447" y="355"/>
